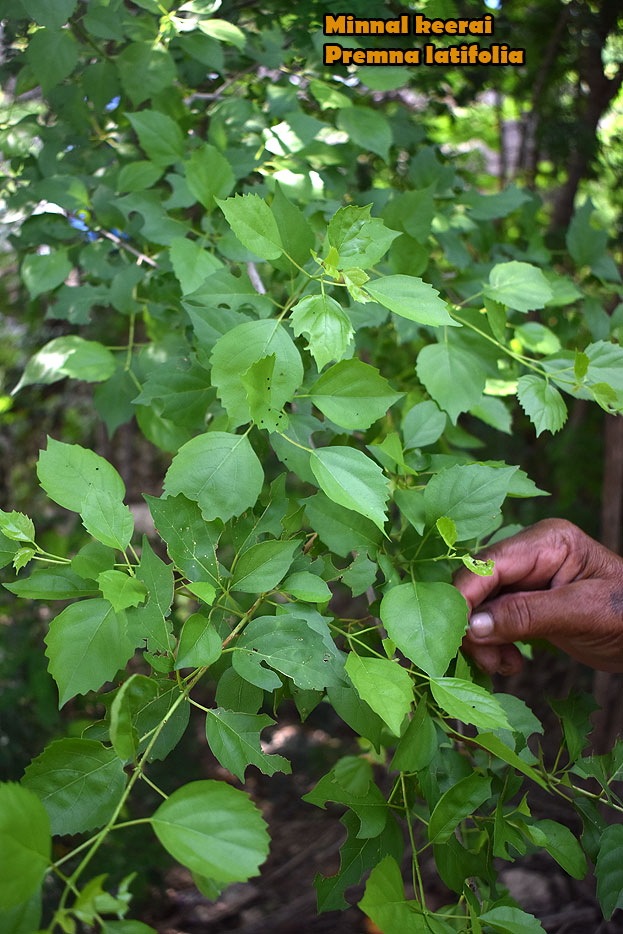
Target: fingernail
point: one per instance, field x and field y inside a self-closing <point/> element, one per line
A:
<point x="481" y="625"/>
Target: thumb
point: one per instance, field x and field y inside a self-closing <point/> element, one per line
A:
<point x="555" y="614"/>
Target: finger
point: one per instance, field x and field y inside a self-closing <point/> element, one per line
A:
<point x="532" y="559"/>
<point x="576" y="610"/>
<point x="495" y="659"/>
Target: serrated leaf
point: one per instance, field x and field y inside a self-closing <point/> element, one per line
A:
<point x="68" y="356"/>
<point x="453" y="376"/>
<point x="447" y="530"/>
<point x="254" y="225"/>
<point x="87" y="644"/>
<point x="258" y="382"/>
<point x="17" y="526"/>
<point x="192" y="265"/>
<point x="561" y="844"/>
<point x="288" y="645"/>
<point x="385" y="903"/>
<point x="427" y="621"/>
<point x="609" y="870"/>
<point x="22" y="557"/>
<point x="411" y="298"/>
<point x="68" y="473"/>
<point x="208" y="175"/>
<point x="47" y="584"/>
<point x="262" y="567"/>
<point x="191" y="541"/>
<point x="366" y="128"/>
<point x="423" y="425"/>
<point x="518" y="285"/>
<point x="511" y="921"/>
<point x="234" y="739"/>
<point x="123" y="733"/>
<point x="542" y="403"/>
<point x="160" y="136"/>
<point x="360" y="575"/>
<point x="325" y="324"/>
<point x="353" y="394"/>
<point x="200" y="644"/>
<point x="371" y="808"/>
<point x="384" y="685"/>
<point x="471" y="495"/>
<point x="220" y="471"/>
<point x="121" y="590"/>
<point x="25" y="844"/>
<point x="150" y="623"/>
<point x="44" y="272"/>
<point x="244" y="345"/>
<point x="469" y="702"/>
<point x="360" y="240"/>
<point x="457" y="803"/>
<point x="107" y="519"/>
<point x="356" y="856"/>
<point x="146" y="69"/>
<point x="352" y="480"/>
<point x="214" y="830"/>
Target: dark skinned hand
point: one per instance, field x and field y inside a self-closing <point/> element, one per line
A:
<point x="551" y="581"/>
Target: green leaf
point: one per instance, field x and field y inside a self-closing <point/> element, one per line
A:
<point x="500" y="204"/>
<point x="214" y="830"/>
<point x="191" y="542"/>
<point x="223" y="31"/>
<point x="192" y="265"/>
<point x="352" y="480"/>
<point x="68" y="356"/>
<point x="411" y="298"/>
<point x="220" y="471"/>
<point x="511" y="921"/>
<point x="178" y="390"/>
<point x="150" y="623"/>
<point x="297" y="236"/>
<point x="471" y="495"/>
<point x="325" y="324"/>
<point x="427" y="621"/>
<point x="137" y="176"/>
<point x="356" y="857"/>
<point x="586" y="244"/>
<point x="234" y="693"/>
<point x="366" y="128"/>
<point x="384" y="685"/>
<point x="121" y="590"/>
<point x="25" y="844"/>
<point x="342" y="530"/>
<point x="561" y="844"/>
<point x="8" y="549"/>
<point x="244" y="345"/>
<point x="52" y="54"/>
<point x="17" y="526"/>
<point x="423" y="425"/>
<point x="360" y="575"/>
<point x="68" y="473"/>
<point x="359" y="239"/>
<point x="107" y="519"/>
<point x="49" y="14"/>
<point x="518" y="285"/>
<point x="306" y="586"/>
<point x="418" y="745"/>
<point x="371" y="807"/>
<point x="262" y="567"/>
<point x="542" y="403"/>
<point x="22" y="557"/>
<point x="457" y="803"/>
<point x="609" y="870"/>
<point x="469" y="702"/>
<point x="87" y="644"/>
<point x="208" y="175"/>
<point x="453" y="376"/>
<point x="353" y="394"/>
<point x="385" y="903"/>
<point x="46" y="584"/>
<point x="289" y="646"/>
<point x="254" y="224"/>
<point x="447" y="530"/>
<point x="44" y="272"/>
<point x="128" y="699"/>
<point x="145" y="69"/>
<point x="258" y="384"/>
<point x="160" y="136"/>
<point x="234" y="739"/>
<point x="200" y="644"/>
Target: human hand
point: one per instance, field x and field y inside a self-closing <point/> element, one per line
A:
<point x="550" y="581"/>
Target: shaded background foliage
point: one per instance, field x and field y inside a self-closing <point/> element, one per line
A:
<point x="552" y="127"/>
